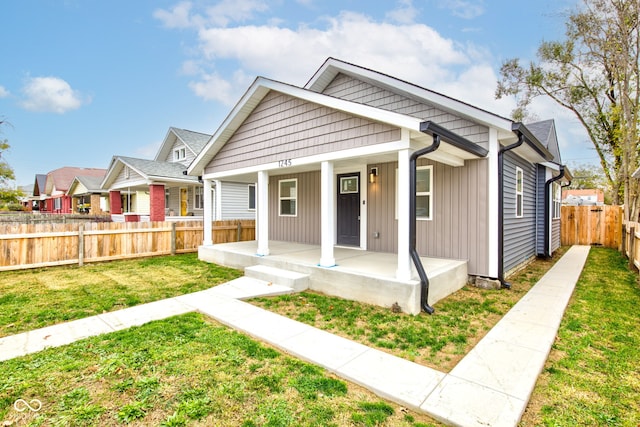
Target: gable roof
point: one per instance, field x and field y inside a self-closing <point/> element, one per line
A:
<point x="262" y="86"/>
<point x="91" y="183"/>
<point x="61" y="178"/>
<point x="150" y="170"/>
<point x="332" y="67"/>
<point x="39" y="186"/>
<point x="545" y="132"/>
<point x="194" y="141"/>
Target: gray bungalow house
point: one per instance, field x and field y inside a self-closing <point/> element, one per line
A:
<point x="358" y="161"/>
<point x="142" y="189"/>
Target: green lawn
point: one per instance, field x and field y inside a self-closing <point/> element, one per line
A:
<point x="182" y="371"/>
<point x="31" y="299"/>
<point x="592" y="376"/>
<point x="188" y="370"/>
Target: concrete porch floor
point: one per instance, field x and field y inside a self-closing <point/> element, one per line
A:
<point x="358" y="275"/>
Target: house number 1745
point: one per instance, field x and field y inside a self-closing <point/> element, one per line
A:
<point x="284" y="163"/>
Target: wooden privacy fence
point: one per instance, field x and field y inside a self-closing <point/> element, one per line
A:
<point x="631" y="243"/>
<point x="591" y="225"/>
<point x="42" y="245"/>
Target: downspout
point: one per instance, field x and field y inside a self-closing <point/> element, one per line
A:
<point x="503" y="150"/>
<point x="424" y="280"/>
<point x="547" y="220"/>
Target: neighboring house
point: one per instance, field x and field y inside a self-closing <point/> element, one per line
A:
<point x="55" y="198"/>
<point x="141" y="189"/>
<point x="87" y="196"/>
<point x="39" y="193"/>
<point x="586" y="197"/>
<point x="333" y="161"/>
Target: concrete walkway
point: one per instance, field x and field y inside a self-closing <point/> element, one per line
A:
<point x="489" y="387"/>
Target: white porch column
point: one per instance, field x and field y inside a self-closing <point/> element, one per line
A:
<point x="327" y="219"/>
<point x="492" y="205"/>
<point x="404" y="271"/>
<point x="208" y="213"/>
<point x="262" y="213"/>
<point x="218" y="203"/>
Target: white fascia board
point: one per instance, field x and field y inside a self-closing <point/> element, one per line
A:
<point x="153" y="179"/>
<point x="449" y="104"/>
<point x="262" y="86"/>
<point x="315" y="159"/>
<point x="551" y="165"/>
<point x="128" y="184"/>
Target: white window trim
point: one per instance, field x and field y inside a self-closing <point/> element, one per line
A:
<point x="198" y="195"/>
<point x="280" y="198"/>
<point x="557" y="200"/>
<point x="424" y="193"/>
<point x="179" y="153"/>
<point x="519" y="192"/>
<point x="249" y="208"/>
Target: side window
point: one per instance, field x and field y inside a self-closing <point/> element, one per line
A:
<point x="288" y="197"/>
<point x="252" y="197"/>
<point x="424" y="199"/>
<point x="557" y="200"/>
<point x="198" y="202"/>
<point x="519" y="192"/>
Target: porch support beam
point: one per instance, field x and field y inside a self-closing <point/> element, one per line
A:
<point x="404" y="271"/>
<point x="327" y="219"/>
<point x="218" y="204"/>
<point x="208" y="213"/>
<point x="262" y="213"/>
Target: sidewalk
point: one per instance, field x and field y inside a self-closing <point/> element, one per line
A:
<point x="490" y="386"/>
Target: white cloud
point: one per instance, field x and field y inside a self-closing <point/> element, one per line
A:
<point x="227" y="58"/>
<point x="50" y="94"/>
<point x="466" y="9"/>
<point x="405" y="13"/>
<point x="3" y="92"/>
<point x="221" y="14"/>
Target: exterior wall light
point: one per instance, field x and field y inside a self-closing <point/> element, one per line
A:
<point x="372" y="175"/>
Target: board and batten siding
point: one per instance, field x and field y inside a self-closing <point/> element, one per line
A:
<point x="284" y="127"/>
<point x="519" y="233"/>
<point x="352" y="89"/>
<point x="305" y="227"/>
<point x="235" y="201"/>
<point x="460" y="211"/>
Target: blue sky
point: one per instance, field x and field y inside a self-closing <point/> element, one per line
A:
<point x="83" y="80"/>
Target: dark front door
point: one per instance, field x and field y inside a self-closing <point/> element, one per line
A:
<point x="348" y="209"/>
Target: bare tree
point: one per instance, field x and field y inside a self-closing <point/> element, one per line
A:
<point x="593" y="72"/>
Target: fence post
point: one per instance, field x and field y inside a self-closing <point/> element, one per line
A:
<point x="239" y="231"/>
<point x="632" y="248"/>
<point x="81" y="245"/>
<point x="173" y="238"/>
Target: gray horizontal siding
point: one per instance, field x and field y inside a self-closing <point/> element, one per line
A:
<point x="235" y="201"/>
<point x="519" y="233"/>
<point x="351" y="89"/>
<point x="284" y="127"/>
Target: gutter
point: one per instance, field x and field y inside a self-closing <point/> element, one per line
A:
<point x="547" y="220"/>
<point x="438" y="133"/>
<point x="520" y="130"/>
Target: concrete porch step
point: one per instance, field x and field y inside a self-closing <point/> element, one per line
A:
<point x="290" y="279"/>
<point x="249" y="287"/>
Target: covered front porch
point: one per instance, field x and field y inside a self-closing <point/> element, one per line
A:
<point x="360" y="275"/>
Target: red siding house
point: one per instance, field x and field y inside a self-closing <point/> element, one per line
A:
<point x="57" y="184"/>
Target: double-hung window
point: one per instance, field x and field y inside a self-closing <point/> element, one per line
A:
<point x="288" y="197"/>
<point x="179" y="153"/>
<point x="424" y="199"/>
<point x="557" y="200"/>
<point x="198" y="202"/>
<point x="519" y="192"/>
<point x="252" y="197"/>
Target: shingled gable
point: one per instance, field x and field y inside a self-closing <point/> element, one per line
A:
<point x="545" y="131"/>
<point x="148" y="171"/>
<point x="193" y="141"/>
<point x="59" y="180"/>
